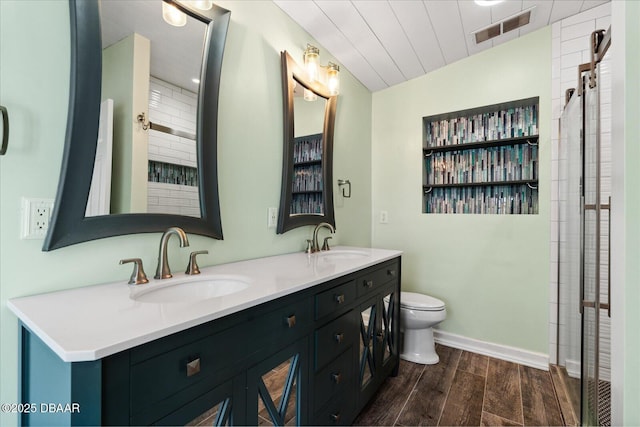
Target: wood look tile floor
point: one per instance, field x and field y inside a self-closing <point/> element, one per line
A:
<point x="464" y="389"/>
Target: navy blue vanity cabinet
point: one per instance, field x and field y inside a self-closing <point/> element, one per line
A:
<point x="312" y="357"/>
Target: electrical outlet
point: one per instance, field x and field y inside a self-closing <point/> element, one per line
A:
<point x="272" y="217"/>
<point x="36" y="214"/>
<point x="384" y="217"/>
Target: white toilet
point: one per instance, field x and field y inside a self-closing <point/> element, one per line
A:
<point x="418" y="314"/>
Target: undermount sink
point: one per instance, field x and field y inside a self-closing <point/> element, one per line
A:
<point x="191" y="289"/>
<point x="343" y="254"/>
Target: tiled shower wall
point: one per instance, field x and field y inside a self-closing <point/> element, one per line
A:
<point x="570" y="48"/>
<point x="173" y="107"/>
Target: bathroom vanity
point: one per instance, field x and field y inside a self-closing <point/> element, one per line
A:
<point x="301" y="339"/>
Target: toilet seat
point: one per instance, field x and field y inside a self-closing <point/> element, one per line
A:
<point x="420" y="302"/>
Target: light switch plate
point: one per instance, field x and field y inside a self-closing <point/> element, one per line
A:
<point x="272" y="217"/>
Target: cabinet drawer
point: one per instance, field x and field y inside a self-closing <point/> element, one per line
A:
<point x="335" y="298"/>
<point x="173" y="373"/>
<point x="339" y="411"/>
<point x="282" y="325"/>
<point x="372" y="280"/>
<point x="334" y="378"/>
<point x="334" y="338"/>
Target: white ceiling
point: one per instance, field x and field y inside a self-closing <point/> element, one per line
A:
<point x="386" y="42"/>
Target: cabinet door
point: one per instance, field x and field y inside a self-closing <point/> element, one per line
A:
<point x="216" y="408"/>
<point x="368" y="348"/>
<point x="379" y="339"/>
<point x="388" y="334"/>
<point x="276" y="387"/>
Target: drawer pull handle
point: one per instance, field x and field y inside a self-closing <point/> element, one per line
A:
<point x="291" y="321"/>
<point x="339" y="337"/>
<point x="339" y="298"/>
<point x="336" y="417"/>
<point x="193" y="367"/>
<point x="368" y="284"/>
<point x="391" y="273"/>
<point x="336" y="377"/>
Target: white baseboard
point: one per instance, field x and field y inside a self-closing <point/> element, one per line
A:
<point x="499" y="351"/>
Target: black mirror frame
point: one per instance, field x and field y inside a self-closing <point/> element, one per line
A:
<point x="68" y="223"/>
<point x="291" y="73"/>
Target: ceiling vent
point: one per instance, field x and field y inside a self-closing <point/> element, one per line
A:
<point x="509" y="24"/>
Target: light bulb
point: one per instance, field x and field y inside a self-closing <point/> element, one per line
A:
<point x="172" y="15"/>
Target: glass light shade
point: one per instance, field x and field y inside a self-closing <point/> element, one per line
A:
<point x="309" y="95"/>
<point x="202" y="4"/>
<point x="173" y="16"/>
<point x="333" y="78"/>
<point x="312" y="62"/>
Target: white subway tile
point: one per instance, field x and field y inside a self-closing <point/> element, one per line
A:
<point x="574" y="45"/>
<point x="578" y="30"/>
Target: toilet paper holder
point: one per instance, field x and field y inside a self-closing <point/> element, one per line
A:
<point x="343" y="182"/>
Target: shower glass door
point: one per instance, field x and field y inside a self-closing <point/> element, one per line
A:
<point x="595" y="250"/>
<point x="584" y="202"/>
<point x="591" y="257"/>
<point x="569" y="249"/>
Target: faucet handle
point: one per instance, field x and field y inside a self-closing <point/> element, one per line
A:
<point x="309" y="248"/>
<point x="193" y="268"/>
<point x="137" y="276"/>
<point x="325" y="245"/>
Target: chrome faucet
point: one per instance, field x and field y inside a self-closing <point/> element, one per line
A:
<point x="163" y="271"/>
<point x="315" y="247"/>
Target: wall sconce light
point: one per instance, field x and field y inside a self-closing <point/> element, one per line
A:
<point x="312" y="62"/>
<point x="172" y="15"/>
<point x="312" y="65"/>
<point x="333" y="78"/>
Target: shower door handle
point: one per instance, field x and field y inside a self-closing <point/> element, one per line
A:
<point x="608" y="305"/>
<point x="582" y="231"/>
<point x="5" y="130"/>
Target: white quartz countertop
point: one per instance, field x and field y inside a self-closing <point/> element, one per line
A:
<point x="96" y="321"/>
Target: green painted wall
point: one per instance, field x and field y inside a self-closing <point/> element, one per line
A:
<point x="492" y="271"/>
<point x="34" y="85"/>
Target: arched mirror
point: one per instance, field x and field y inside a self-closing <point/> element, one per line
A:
<point x="309" y="114"/>
<point x="140" y="152"/>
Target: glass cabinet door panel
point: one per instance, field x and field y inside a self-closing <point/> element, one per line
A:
<point x="367" y="344"/>
<point x="219" y="415"/>
<point x="277" y="390"/>
<point x="386" y="329"/>
<point x="274" y="388"/>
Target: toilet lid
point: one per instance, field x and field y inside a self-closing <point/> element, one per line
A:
<point x="421" y="302"/>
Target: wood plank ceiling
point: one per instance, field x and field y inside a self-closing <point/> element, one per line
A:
<point x="386" y="42"/>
